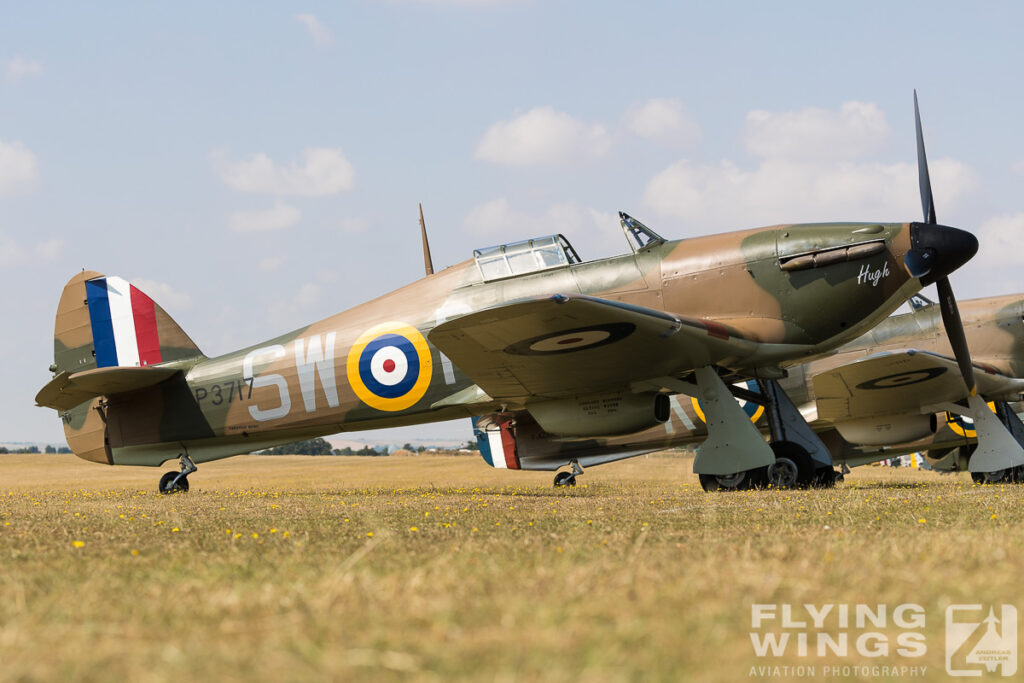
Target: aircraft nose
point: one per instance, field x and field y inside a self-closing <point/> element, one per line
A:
<point x="938" y="250"/>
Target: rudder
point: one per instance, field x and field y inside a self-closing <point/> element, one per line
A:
<point x="108" y="322"/>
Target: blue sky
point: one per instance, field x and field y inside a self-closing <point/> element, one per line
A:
<point x="255" y="166"/>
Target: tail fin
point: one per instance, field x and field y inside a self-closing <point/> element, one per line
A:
<point x="107" y="322"/>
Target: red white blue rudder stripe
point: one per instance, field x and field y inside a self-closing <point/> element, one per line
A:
<point x="497" y="443"/>
<point x="123" y="319"/>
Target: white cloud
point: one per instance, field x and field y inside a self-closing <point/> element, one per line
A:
<point x="265" y="220"/>
<point x="317" y="30"/>
<point x="495" y="217"/>
<point x="269" y="263"/>
<point x="50" y="249"/>
<point x="723" y="196"/>
<point x="856" y="130"/>
<point x="996" y="267"/>
<point x="663" y="120"/>
<point x="13" y="254"/>
<point x="324" y="171"/>
<point x="307" y="296"/>
<point x="1017" y="166"/>
<point x="822" y="178"/>
<point x="592" y="232"/>
<point x="1001" y="240"/>
<point x="19" y="168"/>
<point x="19" y="68"/>
<point x="327" y="277"/>
<point x="354" y="224"/>
<point x="10" y="252"/>
<point x="169" y="298"/>
<point x="543" y="136"/>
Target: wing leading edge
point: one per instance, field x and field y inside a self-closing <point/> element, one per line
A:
<point x="908" y="381"/>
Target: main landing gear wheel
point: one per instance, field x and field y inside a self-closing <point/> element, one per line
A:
<point x="825" y="478"/>
<point x="793" y="466"/>
<point x="739" y="481"/>
<point x="1011" y="475"/>
<point x="565" y="479"/>
<point x="168" y="485"/>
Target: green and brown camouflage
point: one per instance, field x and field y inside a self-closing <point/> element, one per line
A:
<point x="749" y="302"/>
<point x="894" y="416"/>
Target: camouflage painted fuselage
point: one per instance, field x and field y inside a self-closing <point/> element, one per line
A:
<point x="319" y="379"/>
<point x="994" y="328"/>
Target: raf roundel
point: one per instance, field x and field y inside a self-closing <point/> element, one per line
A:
<point x="964" y="425"/>
<point x="753" y="410"/>
<point x="389" y="366"/>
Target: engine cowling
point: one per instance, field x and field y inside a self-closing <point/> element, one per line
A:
<point x="885" y="430"/>
<point x="601" y="415"/>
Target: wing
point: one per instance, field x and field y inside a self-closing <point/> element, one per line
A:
<point x="901" y="382"/>
<point x="571" y="345"/>
<point x="65" y="391"/>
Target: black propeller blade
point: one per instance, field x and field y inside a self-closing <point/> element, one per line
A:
<point x="921" y="260"/>
<point x="955" y="331"/>
<point x="923" y="178"/>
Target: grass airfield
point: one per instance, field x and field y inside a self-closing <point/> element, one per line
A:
<point x="440" y="568"/>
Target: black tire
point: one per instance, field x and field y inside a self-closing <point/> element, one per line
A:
<point x="709" y="482"/>
<point x="757" y="478"/>
<point x="565" y="479"/>
<point x="166" y="485"/>
<point x="997" y="477"/>
<point x="824" y="478"/>
<point x="741" y="481"/>
<point x="798" y="456"/>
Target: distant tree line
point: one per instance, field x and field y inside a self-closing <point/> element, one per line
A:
<point x="318" y="446"/>
<point x="34" y="449"/>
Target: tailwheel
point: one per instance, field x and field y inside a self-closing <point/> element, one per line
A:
<point x="793" y="466"/>
<point x="565" y="479"/>
<point x="569" y="478"/>
<point x="169" y="485"/>
<point x="177" y="482"/>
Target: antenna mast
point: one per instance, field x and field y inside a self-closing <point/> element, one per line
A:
<point x="428" y="264"/>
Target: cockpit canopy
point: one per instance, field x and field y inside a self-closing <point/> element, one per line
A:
<point x="528" y="256"/>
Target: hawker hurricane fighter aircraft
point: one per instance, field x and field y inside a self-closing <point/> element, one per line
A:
<point x="895" y="390"/>
<point x="523" y="331"/>
<point x="898" y="390"/>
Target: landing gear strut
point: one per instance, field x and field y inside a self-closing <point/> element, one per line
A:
<point x="568" y="478"/>
<point x="177" y="482"/>
<point x="735" y="456"/>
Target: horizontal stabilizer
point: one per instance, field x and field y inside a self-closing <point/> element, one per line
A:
<point x="65" y="391"/>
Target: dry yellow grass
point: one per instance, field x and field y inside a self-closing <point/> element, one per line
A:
<point x="439" y="568"/>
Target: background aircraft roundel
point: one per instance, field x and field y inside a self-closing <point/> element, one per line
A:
<point x="389" y="366"/>
<point x="753" y="410"/>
